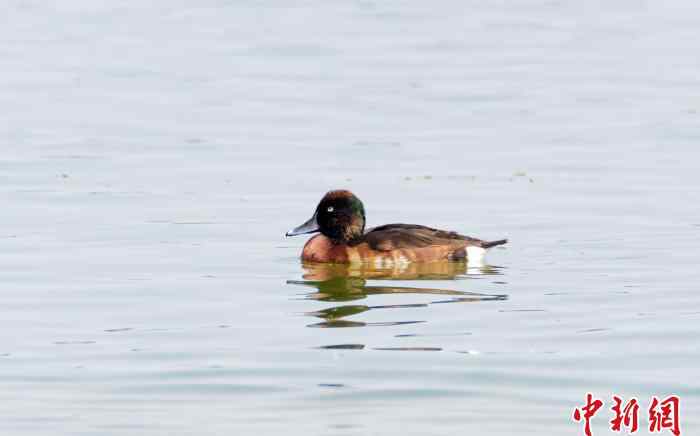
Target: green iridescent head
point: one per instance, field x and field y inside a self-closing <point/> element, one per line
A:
<point x="340" y="216"/>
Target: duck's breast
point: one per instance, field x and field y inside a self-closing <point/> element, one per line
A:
<point x="321" y="249"/>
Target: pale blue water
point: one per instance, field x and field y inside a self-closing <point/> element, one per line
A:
<point x="153" y="155"/>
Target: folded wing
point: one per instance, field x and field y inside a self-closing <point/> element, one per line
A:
<point x="405" y="236"/>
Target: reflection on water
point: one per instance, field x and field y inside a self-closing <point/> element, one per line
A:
<point x="336" y="283"/>
<point x="411" y="271"/>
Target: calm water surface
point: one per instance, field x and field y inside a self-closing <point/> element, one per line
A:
<point x="153" y="155"/>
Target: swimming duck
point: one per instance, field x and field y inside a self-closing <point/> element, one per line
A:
<point x="340" y="218"/>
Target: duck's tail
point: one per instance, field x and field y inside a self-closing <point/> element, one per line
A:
<point x="490" y="244"/>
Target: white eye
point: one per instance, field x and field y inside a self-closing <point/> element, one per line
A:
<point x="330" y="209"/>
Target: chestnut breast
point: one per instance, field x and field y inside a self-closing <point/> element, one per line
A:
<point x="322" y="249"/>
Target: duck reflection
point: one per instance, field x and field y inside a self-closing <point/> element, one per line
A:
<point x="337" y="283"/>
<point x="446" y="270"/>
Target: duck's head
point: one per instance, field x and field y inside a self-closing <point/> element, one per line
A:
<point x="340" y="216"/>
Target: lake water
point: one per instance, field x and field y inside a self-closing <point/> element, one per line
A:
<point x="154" y="153"/>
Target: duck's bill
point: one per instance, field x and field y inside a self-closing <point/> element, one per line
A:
<point x="311" y="226"/>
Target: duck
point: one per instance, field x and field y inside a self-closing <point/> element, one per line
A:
<point x="339" y="219"/>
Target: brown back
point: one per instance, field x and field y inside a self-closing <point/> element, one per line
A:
<point x="407" y="236"/>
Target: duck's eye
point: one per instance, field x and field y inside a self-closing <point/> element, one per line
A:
<point x="330" y="209"/>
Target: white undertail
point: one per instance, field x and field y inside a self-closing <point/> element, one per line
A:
<point x="475" y="255"/>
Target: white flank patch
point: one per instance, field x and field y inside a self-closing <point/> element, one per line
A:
<point x="402" y="261"/>
<point x="475" y="256"/>
<point x="383" y="262"/>
<point x="402" y="264"/>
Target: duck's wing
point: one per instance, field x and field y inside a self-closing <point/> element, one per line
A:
<point x="397" y="236"/>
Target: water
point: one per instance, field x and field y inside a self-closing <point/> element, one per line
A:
<point x="154" y="155"/>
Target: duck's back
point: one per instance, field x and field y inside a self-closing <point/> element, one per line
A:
<point x="411" y="236"/>
<point x="393" y="244"/>
<point x="416" y="243"/>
